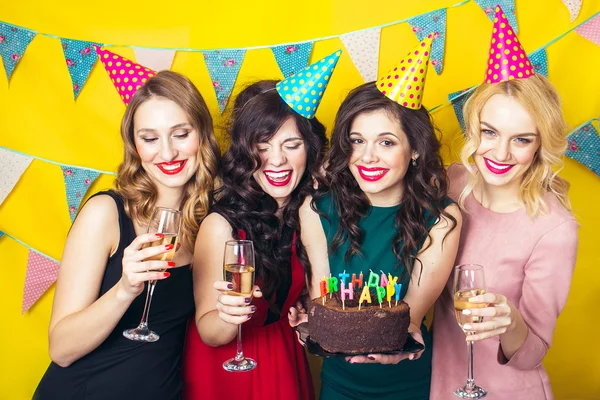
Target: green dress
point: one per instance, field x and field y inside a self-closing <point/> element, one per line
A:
<point x="340" y="379"/>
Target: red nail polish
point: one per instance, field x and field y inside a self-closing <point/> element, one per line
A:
<point x="171" y="263"/>
<point x="166" y="274"/>
<point x="168" y="246"/>
<point x="160" y="235"/>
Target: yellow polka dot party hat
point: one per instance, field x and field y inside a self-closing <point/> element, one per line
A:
<point x="405" y="82"/>
<point x="304" y="90"/>
<point x="126" y="75"/>
<point x="507" y="60"/>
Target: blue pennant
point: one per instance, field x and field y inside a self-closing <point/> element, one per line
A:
<point x="77" y="183"/>
<point x="433" y="22"/>
<point x="1" y="234"/>
<point x="458" y="103"/>
<point x="13" y="43"/>
<point x="508" y="6"/>
<point x="539" y="60"/>
<point x="584" y="147"/>
<point x="223" y="67"/>
<point x="292" y="58"/>
<point x="80" y="58"/>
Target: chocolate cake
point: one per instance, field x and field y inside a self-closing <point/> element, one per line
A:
<point x="352" y="331"/>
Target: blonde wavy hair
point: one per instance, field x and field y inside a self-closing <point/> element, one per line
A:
<point x="134" y="184"/>
<point x="541" y="100"/>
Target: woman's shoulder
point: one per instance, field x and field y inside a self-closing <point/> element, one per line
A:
<point x="557" y="213"/>
<point x="458" y="177"/>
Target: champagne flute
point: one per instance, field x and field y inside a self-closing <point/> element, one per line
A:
<point x="238" y="269"/>
<point x="469" y="281"/>
<point x="166" y="221"/>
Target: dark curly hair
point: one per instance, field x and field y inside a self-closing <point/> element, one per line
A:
<point x="425" y="184"/>
<point x="257" y="115"/>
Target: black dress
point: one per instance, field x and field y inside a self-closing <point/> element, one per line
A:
<point x="120" y="368"/>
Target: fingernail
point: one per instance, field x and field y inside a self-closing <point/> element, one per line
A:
<point x="249" y="316"/>
<point x="160" y="236"/>
<point x="178" y="246"/>
<point x="411" y="357"/>
<point x="253" y="309"/>
<point x="171" y="263"/>
<point x="166" y="274"/>
<point x="169" y="246"/>
<point x="467" y="326"/>
<point x="247" y="299"/>
<point x="371" y="357"/>
<point x="466" y="312"/>
<point x="230" y="286"/>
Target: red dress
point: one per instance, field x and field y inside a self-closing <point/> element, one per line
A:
<point x="282" y="371"/>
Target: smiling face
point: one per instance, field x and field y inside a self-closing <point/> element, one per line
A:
<point x="509" y="142"/>
<point x="380" y="157"/>
<point x="283" y="162"/>
<point x="166" y="142"/>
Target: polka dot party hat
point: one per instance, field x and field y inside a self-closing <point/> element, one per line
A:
<point x="126" y="75"/>
<point x="405" y="82"/>
<point x="507" y="59"/>
<point x="304" y="90"/>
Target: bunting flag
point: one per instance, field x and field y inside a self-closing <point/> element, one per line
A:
<point x="458" y="104"/>
<point x="223" y="67"/>
<point x="155" y="59"/>
<point x="573" y="6"/>
<point x="13" y="43"/>
<point x="1" y="234"/>
<point x="77" y="183"/>
<point x="435" y="23"/>
<point x="12" y="166"/>
<point x="591" y="30"/>
<point x="539" y="60"/>
<point x="508" y="6"/>
<point x="42" y="272"/>
<point x="80" y="58"/>
<point x="292" y="58"/>
<point x="584" y="147"/>
<point x="363" y="48"/>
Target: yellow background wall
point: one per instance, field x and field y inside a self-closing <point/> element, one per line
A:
<point x="38" y="116"/>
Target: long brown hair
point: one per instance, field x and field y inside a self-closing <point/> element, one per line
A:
<point x="134" y="184"/>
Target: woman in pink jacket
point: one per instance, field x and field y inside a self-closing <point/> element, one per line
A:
<point x="517" y="224"/>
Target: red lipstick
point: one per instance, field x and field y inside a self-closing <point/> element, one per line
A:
<point x="497" y="168"/>
<point x="278" y="178"/>
<point x="372" y="174"/>
<point x="171" y="167"/>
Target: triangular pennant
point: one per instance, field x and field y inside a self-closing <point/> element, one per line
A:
<point x="77" y="183"/>
<point x="42" y="272"/>
<point x="458" y="100"/>
<point x="223" y="67"/>
<point x="12" y="166"/>
<point x="507" y="5"/>
<point x="591" y="30"/>
<point x="574" y="6"/>
<point x="156" y="59"/>
<point x="80" y="58"/>
<point x="363" y="48"/>
<point x="433" y="22"/>
<point x="539" y="60"/>
<point x="1" y="234"/>
<point x="13" y="43"/>
<point x="292" y="58"/>
<point x="584" y="147"/>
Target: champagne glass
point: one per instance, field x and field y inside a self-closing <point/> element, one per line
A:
<point x="238" y="268"/>
<point x="166" y="221"/>
<point x="469" y="281"/>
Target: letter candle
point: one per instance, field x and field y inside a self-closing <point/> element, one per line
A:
<point x="333" y="285"/>
<point x="398" y="289"/>
<point x="323" y="287"/>
<point x="358" y="281"/>
<point x="383" y="282"/>
<point x="391" y="288"/>
<point x="343" y="292"/>
<point x="366" y="295"/>
<point x="373" y="279"/>
<point x="380" y="294"/>
<point x="343" y="277"/>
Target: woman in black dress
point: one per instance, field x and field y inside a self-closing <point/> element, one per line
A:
<point x="170" y="161"/>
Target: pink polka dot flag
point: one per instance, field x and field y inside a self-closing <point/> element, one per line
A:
<point x="507" y="60"/>
<point x="126" y="75"/>
<point x="405" y="82"/>
<point x="42" y="272"/>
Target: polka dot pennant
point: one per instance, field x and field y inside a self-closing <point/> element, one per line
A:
<point x="488" y="7"/>
<point x="292" y="58"/>
<point x="405" y="82"/>
<point x="506" y="60"/>
<point x="458" y="100"/>
<point x="80" y="58"/>
<point x="303" y="91"/>
<point x="126" y="75"/>
<point x="584" y="147"/>
<point x="12" y="165"/>
<point x="13" y="43"/>
<point x="435" y="23"/>
<point x="591" y="30"/>
<point x="574" y="7"/>
<point x="539" y="60"/>
<point x="223" y="68"/>
<point x="42" y="272"/>
<point x="77" y="183"/>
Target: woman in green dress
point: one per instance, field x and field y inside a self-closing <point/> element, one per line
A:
<point x="382" y="207"/>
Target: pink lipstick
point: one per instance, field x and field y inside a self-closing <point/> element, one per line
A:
<point x="497" y="168"/>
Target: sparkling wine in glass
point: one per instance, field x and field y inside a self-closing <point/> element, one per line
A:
<point x="166" y="221"/>
<point x="469" y="281"/>
<point x="238" y="269"/>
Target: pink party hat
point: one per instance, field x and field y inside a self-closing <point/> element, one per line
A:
<point x="126" y="75"/>
<point x="507" y="59"/>
<point x="405" y="82"/>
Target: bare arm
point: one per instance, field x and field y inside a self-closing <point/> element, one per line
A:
<point x="80" y="320"/>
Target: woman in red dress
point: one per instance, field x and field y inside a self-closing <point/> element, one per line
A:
<point x="266" y="174"/>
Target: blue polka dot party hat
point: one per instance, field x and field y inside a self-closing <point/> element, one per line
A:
<point x="304" y="90"/>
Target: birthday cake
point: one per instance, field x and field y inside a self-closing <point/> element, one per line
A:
<point x="344" y="327"/>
